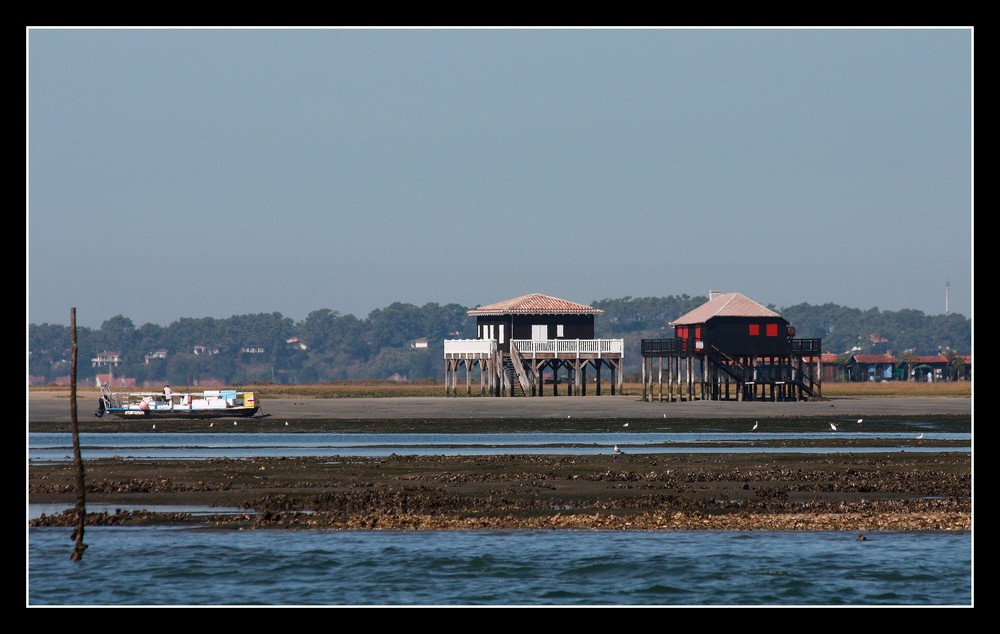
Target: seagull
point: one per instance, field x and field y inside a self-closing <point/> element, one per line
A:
<point x="859" y="420"/>
<point x="286" y="423"/>
<point x="664" y="415"/>
<point x="833" y="427"/>
<point x="154" y="426"/>
<point x="920" y="436"/>
<point x="754" y="426"/>
<point x="625" y="425"/>
<point x="234" y="422"/>
<point x="211" y="424"/>
<point x="617" y="450"/>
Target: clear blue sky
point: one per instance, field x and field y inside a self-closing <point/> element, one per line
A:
<point x="215" y="172"/>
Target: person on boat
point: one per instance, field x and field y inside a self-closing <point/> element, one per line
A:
<point x="168" y="395"/>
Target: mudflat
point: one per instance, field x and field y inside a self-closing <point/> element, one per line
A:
<point x="894" y="490"/>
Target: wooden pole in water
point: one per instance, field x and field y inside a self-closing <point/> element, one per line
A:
<point x="81" y="489"/>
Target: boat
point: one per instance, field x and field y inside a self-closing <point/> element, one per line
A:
<point x="206" y="404"/>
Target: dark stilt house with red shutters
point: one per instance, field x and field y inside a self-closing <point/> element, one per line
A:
<point x="732" y="348"/>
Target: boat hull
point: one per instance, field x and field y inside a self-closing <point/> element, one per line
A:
<point x="232" y="412"/>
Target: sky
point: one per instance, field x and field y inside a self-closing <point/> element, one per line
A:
<point x="205" y="172"/>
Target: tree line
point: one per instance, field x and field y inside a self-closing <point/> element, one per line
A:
<point x="328" y="346"/>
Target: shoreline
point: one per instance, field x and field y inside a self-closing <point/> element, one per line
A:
<point x="50" y="407"/>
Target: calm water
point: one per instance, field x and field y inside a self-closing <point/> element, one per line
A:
<point x="183" y="566"/>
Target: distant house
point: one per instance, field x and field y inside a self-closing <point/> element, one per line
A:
<point x="927" y="368"/>
<point x="36" y="379"/>
<point x="419" y="342"/>
<point x="160" y="354"/>
<point x="833" y="366"/>
<point x="106" y="358"/>
<point x="961" y="368"/>
<point x="252" y="349"/>
<point x="202" y="348"/>
<point x="871" y="367"/>
<point x="296" y="344"/>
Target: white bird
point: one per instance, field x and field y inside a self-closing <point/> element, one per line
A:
<point x="754" y="426"/>
<point x="625" y="425"/>
<point x="154" y="426"/>
<point x="833" y="427"/>
<point x="664" y="415"/>
<point x="286" y="423"/>
<point x="920" y="436"/>
<point x="234" y="422"/>
<point x="617" y="450"/>
<point x="211" y="424"/>
<point x="859" y="420"/>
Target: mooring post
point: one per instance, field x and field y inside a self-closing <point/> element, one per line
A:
<point x="81" y="489"/>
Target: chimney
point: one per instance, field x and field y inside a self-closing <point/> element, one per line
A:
<point x="713" y="294"/>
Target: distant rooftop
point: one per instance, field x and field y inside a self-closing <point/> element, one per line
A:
<point x="875" y="358"/>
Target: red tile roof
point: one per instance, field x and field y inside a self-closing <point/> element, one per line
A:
<point x="875" y="358"/>
<point x="536" y="304"/>
<point x="829" y="357"/>
<point x="931" y="359"/>
<point x="725" y="305"/>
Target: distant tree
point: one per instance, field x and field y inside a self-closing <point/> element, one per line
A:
<point x="344" y="347"/>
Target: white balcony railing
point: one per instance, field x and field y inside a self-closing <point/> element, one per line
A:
<point x="463" y="348"/>
<point x="569" y="347"/>
<point x="460" y="348"/>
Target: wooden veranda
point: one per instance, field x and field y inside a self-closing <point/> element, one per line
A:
<point x="711" y="374"/>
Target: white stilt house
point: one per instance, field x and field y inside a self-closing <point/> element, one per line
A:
<point x="526" y="343"/>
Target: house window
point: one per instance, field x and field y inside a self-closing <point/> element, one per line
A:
<point x="559" y="330"/>
<point x="772" y="330"/>
<point x="697" y="332"/>
<point x="500" y="329"/>
<point x="539" y="332"/>
<point x="682" y="332"/>
<point x="754" y="330"/>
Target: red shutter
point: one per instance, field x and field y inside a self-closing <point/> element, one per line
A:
<point x="754" y="330"/>
<point x="772" y="330"/>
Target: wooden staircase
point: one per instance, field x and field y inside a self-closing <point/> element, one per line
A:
<point x="513" y="376"/>
<point x="799" y="375"/>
